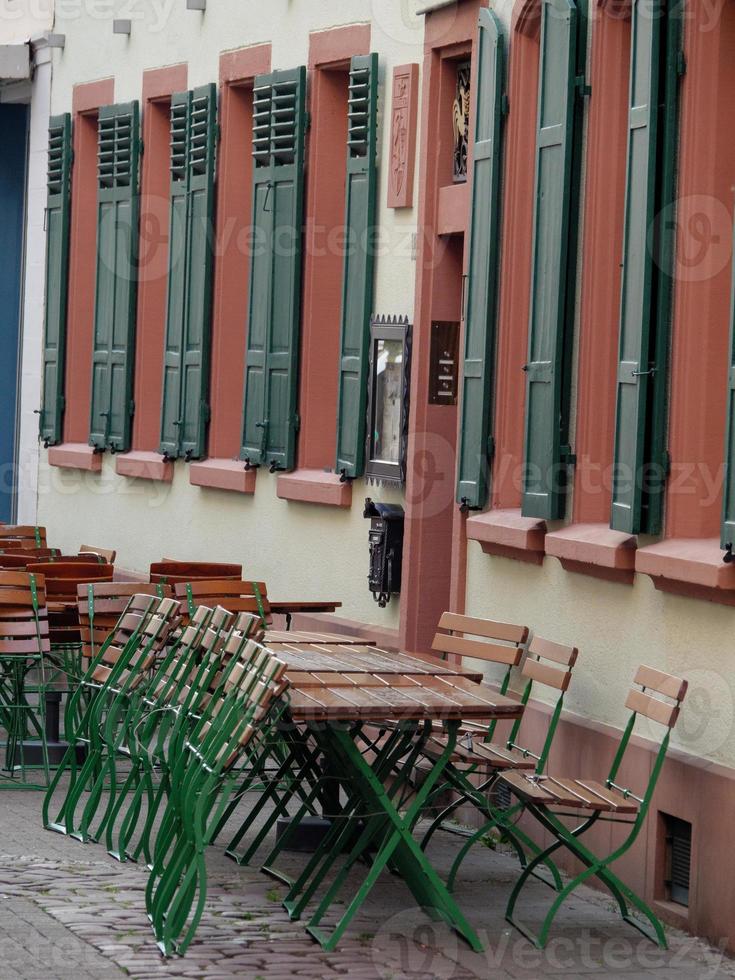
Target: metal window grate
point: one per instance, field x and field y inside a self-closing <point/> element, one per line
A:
<point x="678" y="859"/>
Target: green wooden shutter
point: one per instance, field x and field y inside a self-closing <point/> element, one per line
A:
<point x="200" y="258"/>
<point x="117" y="250"/>
<point x="271" y="378"/>
<point x="185" y="410"/>
<point x="479" y="344"/>
<point x="543" y="476"/>
<point x="171" y="419"/>
<point x="359" y="266"/>
<point x="638" y="271"/>
<point x="57" y="275"/>
<point x="728" y="493"/>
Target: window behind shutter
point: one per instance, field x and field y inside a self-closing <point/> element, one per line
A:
<point x="552" y="308"/>
<point x="185" y="409"/>
<point x="638" y="270"/>
<point x="57" y="268"/>
<point x="728" y="498"/>
<point x="474" y="452"/>
<point x="357" y="282"/>
<point x="271" y="377"/>
<point x="115" y="310"/>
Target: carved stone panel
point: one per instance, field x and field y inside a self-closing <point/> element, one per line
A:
<point x="403" y="136"/>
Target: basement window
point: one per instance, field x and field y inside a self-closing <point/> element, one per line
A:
<point x="678" y="859"/>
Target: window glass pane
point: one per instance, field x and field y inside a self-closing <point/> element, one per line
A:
<point x="388" y="401"/>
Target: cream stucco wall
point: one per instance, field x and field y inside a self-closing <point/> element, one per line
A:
<point x="301" y="550"/>
<point x="617" y="628"/>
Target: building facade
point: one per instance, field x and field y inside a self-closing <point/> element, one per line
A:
<point x="472" y="261"/>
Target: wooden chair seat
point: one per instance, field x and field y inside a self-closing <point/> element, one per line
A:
<point x="479" y="755"/>
<point x="578" y="794"/>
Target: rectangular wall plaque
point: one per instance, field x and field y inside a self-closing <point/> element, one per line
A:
<point x="403" y="136"/>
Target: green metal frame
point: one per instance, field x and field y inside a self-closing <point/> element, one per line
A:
<point x="594" y="866"/>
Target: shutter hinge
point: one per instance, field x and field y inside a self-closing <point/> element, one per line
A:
<point x="62" y="403"/>
<point x="297" y="422"/>
<point x="504" y="104"/>
<point x="141" y="147"/>
<point x="666" y="463"/>
<point x="206" y="412"/>
<point x="681" y="64"/>
<point x="567" y="456"/>
<point x="491" y="448"/>
<point x="132" y="407"/>
<point x="583" y="89"/>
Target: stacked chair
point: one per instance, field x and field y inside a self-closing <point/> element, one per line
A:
<point x="174" y="721"/>
<point x="174" y="572"/>
<point x="21" y="537"/>
<point x="236" y="595"/>
<point x="24" y="647"/>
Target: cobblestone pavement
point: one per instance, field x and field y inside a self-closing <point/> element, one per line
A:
<point x="69" y="910"/>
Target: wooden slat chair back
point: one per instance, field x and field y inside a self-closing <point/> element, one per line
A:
<point x="21" y="537"/>
<point x="24" y="647"/>
<point x="19" y="555"/>
<point x="656" y="696"/>
<point x="238" y="596"/>
<point x="140" y="635"/>
<point x="63" y="580"/>
<point x="103" y="553"/>
<point x="174" y="572"/>
<point x="19" y="561"/>
<point x="69" y="560"/>
<point x="100" y="606"/>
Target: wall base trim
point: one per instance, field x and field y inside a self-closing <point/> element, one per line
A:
<point x="690" y="567"/>
<point x="596" y="550"/>
<point x="139" y="465"/>
<point x="315" y="487"/>
<point x="75" y="456"/>
<point x="223" y="474"/>
<point x="506" y="533"/>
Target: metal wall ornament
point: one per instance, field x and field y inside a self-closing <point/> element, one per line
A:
<point x="389" y="384"/>
<point x="461" y="122"/>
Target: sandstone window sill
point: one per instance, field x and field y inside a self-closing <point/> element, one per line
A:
<point x="507" y="534"/>
<point x="315" y="487"/>
<point x="596" y="550"/>
<point x="690" y="567"/>
<point x="139" y="465"/>
<point x="75" y="456"/>
<point x="223" y="474"/>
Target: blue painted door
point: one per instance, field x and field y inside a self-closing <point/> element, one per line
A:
<point x="13" y="140"/>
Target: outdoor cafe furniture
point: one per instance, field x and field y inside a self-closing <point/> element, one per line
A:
<point x="174" y="572"/>
<point x="656" y="696"/>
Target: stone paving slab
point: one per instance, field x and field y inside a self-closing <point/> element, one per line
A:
<point x="72" y="911"/>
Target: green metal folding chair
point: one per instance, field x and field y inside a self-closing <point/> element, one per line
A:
<point x="122" y="661"/>
<point x="658" y="697"/>
<point x="548" y="665"/>
<point x="24" y="647"/>
<point x="231" y="728"/>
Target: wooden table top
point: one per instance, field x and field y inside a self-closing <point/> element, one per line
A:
<point x="417" y="698"/>
<point x="305" y="606"/>
<point x="356" y="658"/>
<point x="358" y="682"/>
<point x="301" y="637"/>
